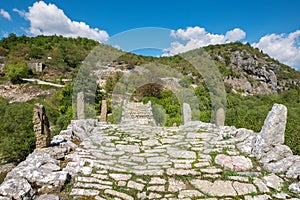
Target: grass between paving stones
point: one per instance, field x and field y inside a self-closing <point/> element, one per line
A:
<point x="129" y="191"/>
<point x="213" y="155"/>
<point x="107" y="197"/>
<point x="285" y="188"/>
<point x="201" y="131"/>
<point x="226" y="173"/>
<point x="226" y="137"/>
<point x="196" y="160"/>
<point x="264" y="173"/>
<point x="64" y="194"/>
<point x="207" y="195"/>
<point x="225" y="149"/>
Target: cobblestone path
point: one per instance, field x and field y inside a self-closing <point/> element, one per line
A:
<point x="196" y="161"/>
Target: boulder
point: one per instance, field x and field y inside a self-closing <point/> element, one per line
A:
<point x="272" y="132"/>
<point x="17" y="188"/>
<point x="274" y="126"/>
<point x="281" y="165"/>
<point x="295" y="188"/>
<point x="247" y="145"/>
<point x="41" y="170"/>
<point x="294" y="171"/>
<point x="277" y="153"/>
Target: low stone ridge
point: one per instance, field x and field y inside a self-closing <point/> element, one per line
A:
<point x="195" y="161"/>
<point x="41" y="172"/>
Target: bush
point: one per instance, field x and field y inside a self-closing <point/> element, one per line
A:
<point x="15" y="72"/>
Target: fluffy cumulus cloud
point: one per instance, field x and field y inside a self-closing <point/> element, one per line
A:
<point x="5" y="14"/>
<point x="196" y="37"/>
<point x="48" y="19"/>
<point x="283" y="47"/>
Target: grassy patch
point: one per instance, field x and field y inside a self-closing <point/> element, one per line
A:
<point x="213" y="155"/>
<point x="226" y="173"/>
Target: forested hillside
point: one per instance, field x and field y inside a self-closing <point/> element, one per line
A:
<point x="253" y="82"/>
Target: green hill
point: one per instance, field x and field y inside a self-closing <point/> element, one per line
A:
<point x="253" y="83"/>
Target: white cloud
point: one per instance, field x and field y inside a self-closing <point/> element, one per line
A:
<point x="283" y="47"/>
<point x="20" y="12"/>
<point x="196" y="37"/>
<point x="235" y="35"/>
<point x="5" y="14"/>
<point x="48" y="19"/>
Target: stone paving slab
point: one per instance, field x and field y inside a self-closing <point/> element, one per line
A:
<point x="122" y="162"/>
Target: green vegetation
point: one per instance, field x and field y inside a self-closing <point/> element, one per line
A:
<point x="63" y="56"/>
<point x="15" y="72"/>
<point x="170" y="104"/>
<point x="60" y="55"/>
<point x="251" y="111"/>
<point x="17" y="138"/>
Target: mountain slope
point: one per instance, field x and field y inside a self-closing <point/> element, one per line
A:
<point x="249" y="70"/>
<point x="253" y="81"/>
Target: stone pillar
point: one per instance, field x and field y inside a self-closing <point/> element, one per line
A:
<point x="41" y="126"/>
<point x="103" y="111"/>
<point x="220" y="117"/>
<point x="187" y="113"/>
<point x="80" y="106"/>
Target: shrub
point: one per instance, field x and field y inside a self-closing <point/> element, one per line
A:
<point x="15" y="72"/>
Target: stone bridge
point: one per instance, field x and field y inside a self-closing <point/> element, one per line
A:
<point x="92" y="160"/>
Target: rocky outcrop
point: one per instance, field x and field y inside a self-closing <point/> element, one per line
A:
<point x="272" y="132"/>
<point x="252" y="72"/>
<point x="17" y="188"/>
<point x="41" y="172"/>
<point x="268" y="146"/>
<point x="23" y="92"/>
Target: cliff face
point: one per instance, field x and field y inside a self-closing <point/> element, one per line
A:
<point x="250" y="71"/>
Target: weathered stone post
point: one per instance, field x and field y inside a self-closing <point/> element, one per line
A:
<point x="41" y="126"/>
<point x="220" y="117"/>
<point x="103" y="111"/>
<point x="187" y="113"/>
<point x="80" y="106"/>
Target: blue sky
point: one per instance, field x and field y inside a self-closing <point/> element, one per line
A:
<point x="269" y="25"/>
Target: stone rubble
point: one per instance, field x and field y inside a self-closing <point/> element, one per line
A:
<point x="194" y="161"/>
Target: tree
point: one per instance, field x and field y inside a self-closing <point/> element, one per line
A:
<point x="17" y="138"/>
<point x="35" y="52"/>
<point x="15" y="72"/>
